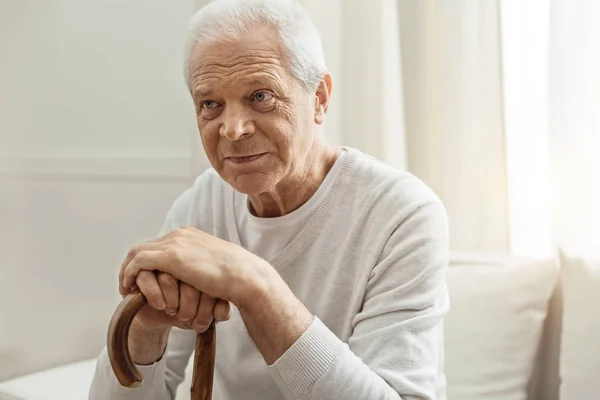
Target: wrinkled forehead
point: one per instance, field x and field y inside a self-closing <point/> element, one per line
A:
<point x="251" y="59"/>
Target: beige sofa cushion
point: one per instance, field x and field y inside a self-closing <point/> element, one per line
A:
<point x="498" y="309"/>
<point x="580" y="343"/>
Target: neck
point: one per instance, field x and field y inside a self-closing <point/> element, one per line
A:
<point x="291" y="193"/>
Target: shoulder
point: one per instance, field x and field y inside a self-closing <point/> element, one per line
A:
<point x="386" y="189"/>
<point x="406" y="221"/>
<point x="207" y="190"/>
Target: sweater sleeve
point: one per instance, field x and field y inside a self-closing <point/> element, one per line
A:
<point x="396" y="347"/>
<point x="161" y="379"/>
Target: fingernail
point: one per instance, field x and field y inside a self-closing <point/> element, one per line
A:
<point x="171" y="312"/>
<point x="200" y="328"/>
<point x="161" y="305"/>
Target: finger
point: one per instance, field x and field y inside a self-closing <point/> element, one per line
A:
<point x="148" y="260"/>
<point x="170" y="290"/>
<point x="150" y="288"/>
<point x="130" y="255"/>
<point x="133" y="251"/>
<point x="204" y="315"/>
<point x="189" y="301"/>
<point x="222" y="310"/>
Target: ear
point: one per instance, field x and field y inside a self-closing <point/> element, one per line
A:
<point x="322" y="95"/>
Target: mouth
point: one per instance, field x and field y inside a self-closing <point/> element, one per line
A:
<point x="245" y="159"/>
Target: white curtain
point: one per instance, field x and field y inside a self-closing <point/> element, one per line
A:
<point x="502" y="117"/>
<point x="553" y="125"/>
<point x="525" y="35"/>
<point x="453" y="111"/>
<point x="575" y="123"/>
<point x="502" y="113"/>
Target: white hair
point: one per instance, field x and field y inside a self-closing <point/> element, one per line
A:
<point x="230" y="19"/>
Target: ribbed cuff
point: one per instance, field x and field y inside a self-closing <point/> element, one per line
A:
<point x="149" y="372"/>
<point x="301" y="366"/>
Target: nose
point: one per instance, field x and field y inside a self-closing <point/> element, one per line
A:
<point x="236" y="123"/>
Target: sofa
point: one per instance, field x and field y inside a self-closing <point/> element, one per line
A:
<point x="518" y="329"/>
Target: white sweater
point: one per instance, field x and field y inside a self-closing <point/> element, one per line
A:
<point x="370" y="264"/>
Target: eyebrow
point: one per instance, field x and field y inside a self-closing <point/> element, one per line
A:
<point x="203" y="92"/>
<point x="207" y="91"/>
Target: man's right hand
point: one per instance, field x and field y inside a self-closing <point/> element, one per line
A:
<point x="170" y="303"/>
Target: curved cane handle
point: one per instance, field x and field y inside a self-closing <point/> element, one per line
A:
<point x="118" y="338"/>
<point x="125" y="370"/>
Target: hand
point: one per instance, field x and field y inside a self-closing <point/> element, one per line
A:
<point x="212" y="266"/>
<point x="173" y="303"/>
<point x="170" y="303"/>
<point x="272" y="314"/>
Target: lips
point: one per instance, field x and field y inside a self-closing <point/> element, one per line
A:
<point x="245" y="159"/>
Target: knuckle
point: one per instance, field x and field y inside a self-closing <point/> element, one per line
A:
<point x="138" y="256"/>
<point x="178" y="234"/>
<point x="189" y="294"/>
<point x="174" y="253"/>
<point x="145" y="279"/>
<point x="166" y="280"/>
<point x="153" y="296"/>
<point x="146" y="282"/>
<point x="133" y="251"/>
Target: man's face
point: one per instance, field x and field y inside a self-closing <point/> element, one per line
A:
<point x="255" y="119"/>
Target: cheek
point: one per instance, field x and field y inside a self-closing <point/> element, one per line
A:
<point x="296" y="130"/>
<point x="281" y="134"/>
<point x="209" y="134"/>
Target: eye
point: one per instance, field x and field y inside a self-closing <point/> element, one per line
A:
<point x="262" y="96"/>
<point x="208" y="104"/>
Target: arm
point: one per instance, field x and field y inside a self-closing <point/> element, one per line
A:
<point x="161" y="378"/>
<point x="396" y="349"/>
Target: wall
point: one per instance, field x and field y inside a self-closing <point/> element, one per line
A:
<point x="93" y="79"/>
<point x="62" y="241"/>
<point x="95" y="143"/>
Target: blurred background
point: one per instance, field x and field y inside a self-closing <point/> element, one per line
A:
<point x="494" y="104"/>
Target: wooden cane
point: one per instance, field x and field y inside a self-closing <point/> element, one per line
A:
<point x="125" y="370"/>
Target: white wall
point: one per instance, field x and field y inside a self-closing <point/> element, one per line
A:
<point x="94" y="78"/>
<point x="62" y="242"/>
<point x="95" y="143"/>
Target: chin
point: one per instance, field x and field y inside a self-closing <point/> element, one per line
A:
<point x="253" y="183"/>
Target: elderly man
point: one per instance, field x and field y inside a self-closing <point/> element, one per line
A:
<point x="333" y="263"/>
